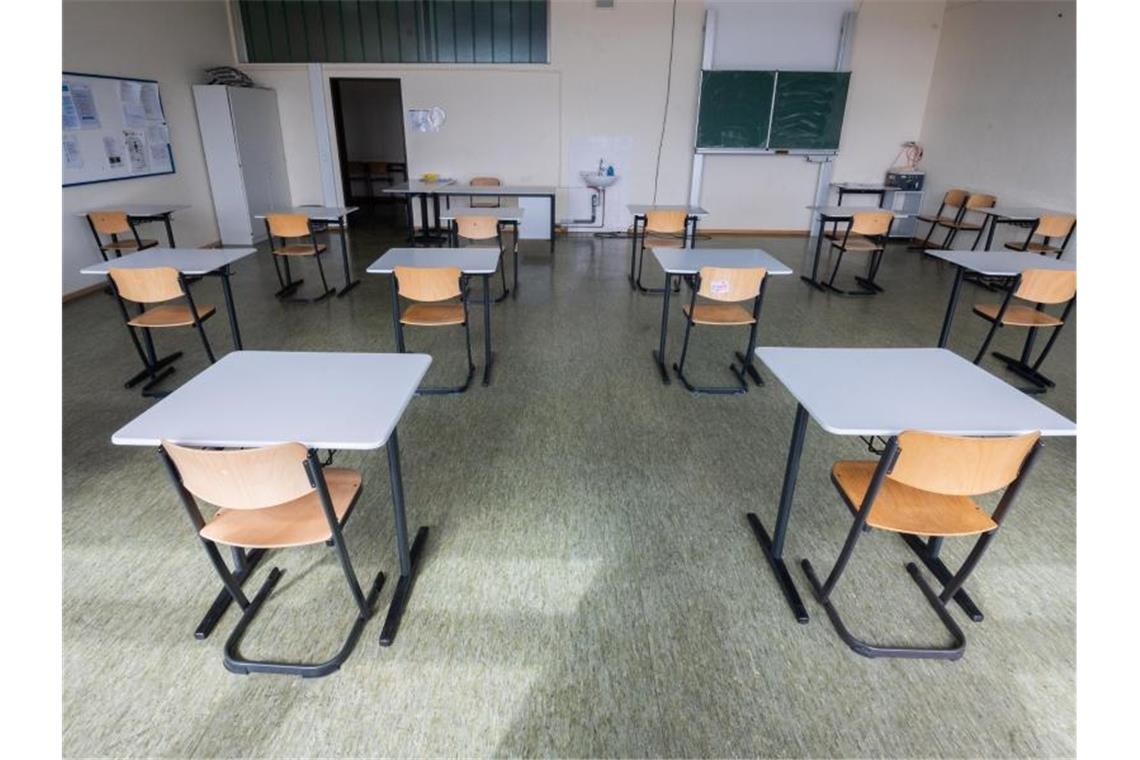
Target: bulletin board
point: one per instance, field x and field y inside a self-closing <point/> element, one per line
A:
<point x="113" y="128"/>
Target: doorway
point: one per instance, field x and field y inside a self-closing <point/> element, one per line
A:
<point x="369" y="118"/>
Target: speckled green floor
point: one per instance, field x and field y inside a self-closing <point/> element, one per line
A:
<point x="590" y="586"/>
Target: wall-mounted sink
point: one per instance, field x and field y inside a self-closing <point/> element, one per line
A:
<point x="598" y="180"/>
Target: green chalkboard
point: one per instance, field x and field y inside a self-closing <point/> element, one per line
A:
<point x="808" y="113"/>
<point x="735" y="106"/>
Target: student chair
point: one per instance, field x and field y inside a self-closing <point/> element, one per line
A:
<point x="113" y="224"/>
<point x="157" y="285"/>
<point x="1049" y="227"/>
<point x="922" y="486"/>
<point x="485" y="201"/>
<point x="286" y="227"/>
<point x="953" y="199"/>
<point x="483" y="228"/>
<point x="274" y="497"/>
<point x="727" y="288"/>
<point x="431" y="288"/>
<point x="660" y="230"/>
<point x="973" y="203"/>
<point x="1039" y="287"/>
<point x="867" y="232"/>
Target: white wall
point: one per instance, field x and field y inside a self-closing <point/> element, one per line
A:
<point x="171" y="42"/>
<point x="1001" y="114"/>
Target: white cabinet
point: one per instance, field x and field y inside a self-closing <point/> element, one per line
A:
<point x="245" y="158"/>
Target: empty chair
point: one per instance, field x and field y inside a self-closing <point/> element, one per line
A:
<point x="867" y="232"/>
<point x="1048" y="228"/>
<point x="432" y="290"/>
<point x="1039" y="287"/>
<point x="922" y="486"/>
<point x="122" y="237"/>
<point x="274" y="497"/>
<point x="726" y="288"/>
<point x="153" y="290"/>
<point x="286" y="227"/>
<point x="485" y="201"/>
<point x="661" y="229"/>
<point x="480" y="229"/>
<point x="949" y="212"/>
<point x="966" y="223"/>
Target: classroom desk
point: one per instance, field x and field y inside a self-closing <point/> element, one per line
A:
<point x="189" y="261"/>
<point x="481" y="262"/>
<point x="1018" y="217"/>
<point x="828" y="215"/>
<point x="337" y="215"/>
<point x="146" y="212"/>
<point x="686" y="262"/>
<point x="639" y="212"/>
<point x="1000" y="263"/>
<point x="879" y="392"/>
<point x="326" y="401"/>
<point x="861" y="188"/>
<point x="511" y="215"/>
<point x="448" y="189"/>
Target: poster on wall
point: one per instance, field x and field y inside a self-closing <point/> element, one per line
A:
<point x="113" y="128"/>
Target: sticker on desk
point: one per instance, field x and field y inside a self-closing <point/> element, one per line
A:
<point x="718" y="287"/>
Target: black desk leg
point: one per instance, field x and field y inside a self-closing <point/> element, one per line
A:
<point x="659" y="354"/>
<point x="231" y="311"/>
<point x="435" y="228"/>
<point x="169" y="230"/>
<point x="424" y="218"/>
<point x="349" y="283"/>
<point x="814" y="279"/>
<point x="990" y="237"/>
<point x="551" y="224"/>
<point x="773" y="547"/>
<point x="408" y="556"/>
<point x="488" y="354"/>
<point x="633" y="254"/>
<point x="396" y="315"/>
<point x="408" y="200"/>
<point x="944" y="336"/>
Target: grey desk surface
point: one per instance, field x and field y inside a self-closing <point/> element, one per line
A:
<point x="502" y="213"/>
<point x="640" y="209"/>
<point x="847" y="212"/>
<point x="690" y="260"/>
<point x="317" y="213"/>
<point x="405" y="188"/>
<point x="138" y="209"/>
<point x="260" y="398"/>
<point x="185" y="260"/>
<point x="883" y="391"/>
<point x="1001" y="263"/>
<point x="1022" y="214"/>
<point x="469" y="260"/>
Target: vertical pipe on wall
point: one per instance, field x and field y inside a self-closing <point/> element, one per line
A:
<point x="330" y="188"/>
<point x="697" y="176"/>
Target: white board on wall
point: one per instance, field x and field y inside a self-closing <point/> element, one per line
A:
<point x="113" y="128"/>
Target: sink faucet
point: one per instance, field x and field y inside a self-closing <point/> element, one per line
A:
<point x="601" y="166"/>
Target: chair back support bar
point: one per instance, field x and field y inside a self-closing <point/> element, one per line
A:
<point x="428" y="284"/>
<point x="667" y="222"/>
<point x="1047" y="286"/>
<point x="477" y="227"/>
<point x="871" y="223"/>
<point x="730" y="285"/>
<point x="246" y="478"/>
<point x="959" y="466"/>
<point x="149" y="285"/>
<point x="288" y="225"/>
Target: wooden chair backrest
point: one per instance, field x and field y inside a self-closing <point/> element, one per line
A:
<point x="377" y="167"/>
<point x="110" y="222"/>
<point x="486" y="181"/>
<point x="871" y="223"/>
<point x="288" y="225"/>
<point x="1046" y="286"/>
<point x="483" y="201"/>
<point x="147" y="285"/>
<point x="981" y="200"/>
<point x="730" y="285"/>
<point x="1055" y="225"/>
<point x="959" y="466"/>
<point x="667" y="222"/>
<point x="243" y="478"/>
<point x="428" y="284"/>
<point x="955" y="197"/>
<point x="477" y="227"/>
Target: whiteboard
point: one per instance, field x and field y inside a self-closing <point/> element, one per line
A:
<point x="113" y="128"/>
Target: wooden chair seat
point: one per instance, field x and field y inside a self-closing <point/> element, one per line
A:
<point x="662" y="241"/>
<point x="171" y="315"/>
<point x="1038" y="247"/>
<point x="719" y="314"/>
<point x="433" y="314"/>
<point x="971" y="226"/>
<point x="295" y="523"/>
<point x="128" y="245"/>
<point x="903" y="509"/>
<point x="1018" y="315"/>
<point x="300" y="249"/>
<point x="934" y="219"/>
<point x="857" y="243"/>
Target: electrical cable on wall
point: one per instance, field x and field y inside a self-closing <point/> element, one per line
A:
<point x="668" y="91"/>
